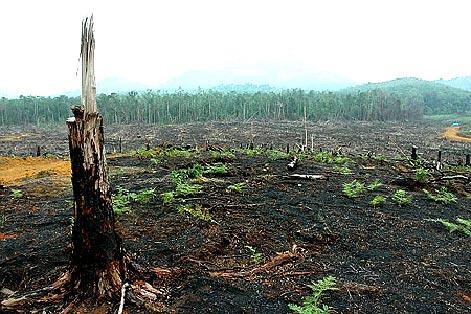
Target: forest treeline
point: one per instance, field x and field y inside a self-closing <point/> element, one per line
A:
<point x="159" y="107"/>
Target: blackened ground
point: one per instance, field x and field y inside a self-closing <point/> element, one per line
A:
<point x="388" y="259"/>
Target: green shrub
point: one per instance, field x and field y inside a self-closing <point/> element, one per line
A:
<point x="144" y="154"/>
<point x="253" y="152"/>
<point x="277" y="154"/>
<point x="179" y="176"/>
<point x="341" y="160"/>
<point x="325" y="157"/>
<point x="421" y="175"/>
<point x="353" y="189"/>
<point x="312" y="304"/>
<point x="441" y="196"/>
<point x="215" y="169"/>
<point x="196" y="211"/>
<point x="180" y="179"/>
<point x="342" y="170"/>
<point x="123" y="198"/>
<point x="178" y="153"/>
<point x="237" y="187"/>
<point x="255" y="256"/>
<point x="401" y="197"/>
<point x="185" y="189"/>
<point x="16" y="193"/>
<point x="328" y="158"/>
<point x="120" y="201"/>
<point x="168" y="197"/>
<point x="462" y="225"/>
<point x="195" y="172"/>
<point x="224" y="155"/>
<point x="373" y="186"/>
<point x="143" y="196"/>
<point x="378" y="200"/>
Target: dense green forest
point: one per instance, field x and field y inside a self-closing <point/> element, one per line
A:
<point x="403" y="99"/>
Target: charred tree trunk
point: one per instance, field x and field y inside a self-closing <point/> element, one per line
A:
<point x="98" y="268"/>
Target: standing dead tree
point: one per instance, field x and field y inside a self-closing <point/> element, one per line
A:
<point x="98" y="268"/>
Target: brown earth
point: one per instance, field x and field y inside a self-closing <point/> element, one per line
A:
<point x="453" y="134"/>
<point x="13" y="170"/>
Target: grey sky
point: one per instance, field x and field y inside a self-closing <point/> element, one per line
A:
<point x="154" y="41"/>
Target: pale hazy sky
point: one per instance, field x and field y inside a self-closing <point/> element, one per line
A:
<point x="153" y="41"/>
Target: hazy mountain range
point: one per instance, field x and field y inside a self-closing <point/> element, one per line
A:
<point x="224" y="80"/>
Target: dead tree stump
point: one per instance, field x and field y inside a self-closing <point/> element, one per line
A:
<point x="413" y="154"/>
<point x="98" y="267"/>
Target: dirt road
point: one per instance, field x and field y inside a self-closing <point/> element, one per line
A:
<point x="453" y="134"/>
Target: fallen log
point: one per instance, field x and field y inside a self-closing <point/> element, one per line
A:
<point x="308" y="176"/>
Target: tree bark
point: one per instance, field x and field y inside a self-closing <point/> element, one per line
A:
<point x="98" y="267"/>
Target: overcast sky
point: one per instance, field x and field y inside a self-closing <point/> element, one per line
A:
<point x="153" y="41"/>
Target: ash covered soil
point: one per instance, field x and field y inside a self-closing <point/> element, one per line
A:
<point x="260" y="236"/>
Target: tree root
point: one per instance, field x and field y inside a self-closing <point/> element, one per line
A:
<point x="110" y="288"/>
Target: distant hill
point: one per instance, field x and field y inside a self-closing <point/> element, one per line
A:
<point x="432" y="96"/>
<point x="405" y="84"/>
<point x="463" y="82"/>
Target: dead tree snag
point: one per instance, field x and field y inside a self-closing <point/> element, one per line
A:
<point x="98" y="268"/>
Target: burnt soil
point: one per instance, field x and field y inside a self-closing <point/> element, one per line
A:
<point x="388" y="259"/>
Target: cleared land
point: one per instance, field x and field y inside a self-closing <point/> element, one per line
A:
<point x="250" y="237"/>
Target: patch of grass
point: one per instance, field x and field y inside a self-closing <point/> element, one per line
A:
<point x="123" y="198"/>
<point x="178" y="153"/>
<point x="16" y="193"/>
<point x="218" y="168"/>
<point x="277" y="155"/>
<point x="341" y="160"/>
<point x="378" y="200"/>
<point x="312" y="304"/>
<point x="179" y="176"/>
<point x="329" y="158"/>
<point x="255" y="256"/>
<point x="253" y="152"/>
<point x="143" y="153"/>
<point x="353" y="189"/>
<point x="421" y="175"/>
<point x="441" y="196"/>
<point x="342" y="170"/>
<point x="3" y="219"/>
<point x="373" y="186"/>
<point x="143" y="196"/>
<point x="185" y="189"/>
<point x="224" y="155"/>
<point x="461" y="225"/>
<point x="237" y="187"/>
<point x="180" y="179"/>
<point x="195" y="172"/>
<point x="168" y="197"/>
<point x="324" y="157"/>
<point x="196" y="211"/>
<point x="401" y="197"/>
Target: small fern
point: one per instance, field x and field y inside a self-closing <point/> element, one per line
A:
<point x="312" y="304"/>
